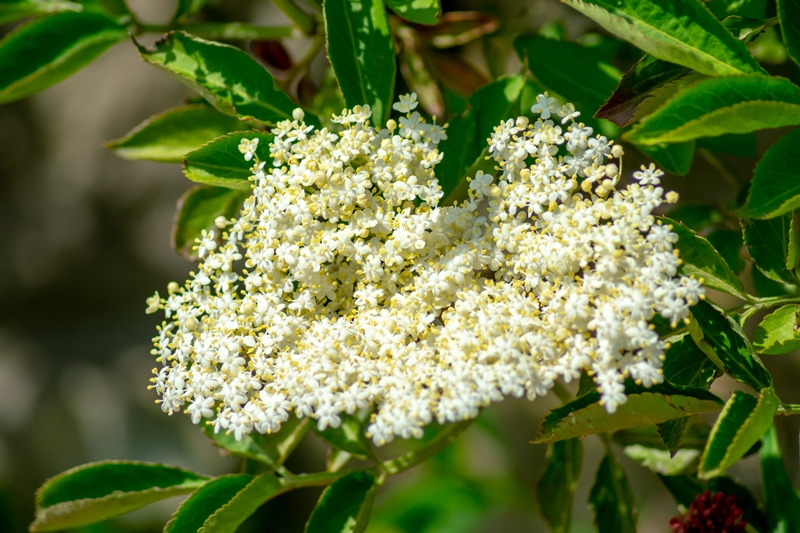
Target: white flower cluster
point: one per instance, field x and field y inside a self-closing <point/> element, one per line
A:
<point x="343" y="285"/>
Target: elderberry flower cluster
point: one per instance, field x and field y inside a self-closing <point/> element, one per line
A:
<point x="343" y="285"/>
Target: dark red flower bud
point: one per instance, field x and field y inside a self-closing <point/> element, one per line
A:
<point x="717" y="513"/>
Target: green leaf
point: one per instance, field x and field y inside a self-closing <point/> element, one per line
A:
<point x="169" y="136"/>
<point x="695" y="216"/>
<point x="272" y="449"/>
<point x="612" y="499"/>
<point x="228" y="517"/>
<point x="361" y="51"/>
<point x="17" y="9"/>
<point x="568" y="75"/>
<point x="674" y="158"/>
<point x="44" y="51"/>
<point x="724" y="342"/>
<point x="186" y="8"/>
<point x="558" y="482"/>
<point x="345" y="506"/>
<point x="219" y="162"/>
<point x="349" y="436"/>
<point x="197" y="210"/>
<point x="467" y="133"/>
<point x="227" y="77"/>
<point x="205" y="501"/>
<point x="694" y="437"/>
<point x="740" y="145"/>
<point x="771" y="246"/>
<point x="416" y="69"/>
<point x="419" y="11"/>
<point x="715" y="106"/>
<point x="779" y="332"/>
<point x="653" y="405"/>
<point x="782" y="501"/>
<point x="686" y="364"/>
<point x="636" y="85"/>
<point x="682" y="32"/>
<point x="775" y="188"/>
<point x="701" y="260"/>
<point x="662" y="461"/>
<point x="740" y="424"/>
<point x="729" y="245"/>
<point x="97" y="491"/>
<point x="789" y="13"/>
<point x="661" y="95"/>
<point x="686" y="488"/>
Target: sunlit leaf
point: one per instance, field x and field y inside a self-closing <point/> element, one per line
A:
<point x="419" y="11"/>
<point x="230" y="516"/>
<point x="13" y="10"/>
<point x="205" y="501"/>
<point x="219" y="162"/>
<point x="779" y="331"/>
<point x="197" y="210"/>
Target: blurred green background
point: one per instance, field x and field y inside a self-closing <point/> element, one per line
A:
<point x="86" y="240"/>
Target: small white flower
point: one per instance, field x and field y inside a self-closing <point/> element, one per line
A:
<point x="545" y="105"/>
<point x="407" y="103"/>
<point x="248" y="148"/>
<point x="648" y="175"/>
<point x="567" y="111"/>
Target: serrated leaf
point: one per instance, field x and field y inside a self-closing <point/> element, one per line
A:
<point x="556" y="487"/>
<point x="771" y="245"/>
<point x="674" y="158"/>
<point x="611" y="499"/>
<point x="219" y="162"/>
<point x="227" y="77"/>
<point x="694" y="437"/>
<point x="13" y="10"/>
<point x="662" y="461"/>
<point x="729" y="244"/>
<point x="782" y="501"/>
<point x="775" y="188"/>
<point x="779" y="332"/>
<point x="419" y="11"/>
<point x="703" y="261"/>
<point x="686" y="488"/>
<point x="682" y="32"/>
<point x="272" y="449"/>
<point x="349" y="436"/>
<point x="227" y="518"/>
<point x="740" y="424"/>
<point x="467" y="134"/>
<point x="345" y="506"/>
<point x="716" y="106"/>
<point x="789" y="13"/>
<point x="567" y="76"/>
<point x="361" y="51"/>
<point x="168" y="136"/>
<point x="43" y="52"/>
<point x="740" y="145"/>
<point x="724" y="342"/>
<point x="197" y="210"/>
<point x="661" y="95"/>
<point x="205" y="501"/>
<point x="653" y="405"/>
<point x="695" y="216"/>
<point x="94" y="492"/>
<point x="636" y="85"/>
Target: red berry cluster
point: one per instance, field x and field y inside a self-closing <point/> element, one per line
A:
<point x="717" y="513"/>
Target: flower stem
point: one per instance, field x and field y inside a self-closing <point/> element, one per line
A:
<point x="788" y="409"/>
<point x="237" y="30"/>
<point x="303" y="20"/>
<point x="431" y="448"/>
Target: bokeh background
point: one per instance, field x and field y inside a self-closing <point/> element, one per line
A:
<point x="86" y="238"/>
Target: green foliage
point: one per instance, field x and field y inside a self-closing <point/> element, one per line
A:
<point x="729" y="244"/>
<point x="220" y="164"/>
<point x="674" y="158"/>
<point x="789" y="13"/>
<point x="683" y="32"/>
<point x="740" y="424"/>
<point x="361" y="52"/>
<point x="711" y="107"/>
<point x="704" y="262"/>
<point x="96" y="491"/>
<point x="205" y="501"/>
<point x="772" y="245"/>
<point x="782" y="501"/>
<point x="775" y="189"/>
<point x="186" y="8"/>
<point x="168" y="136"/>
<point x="567" y="76"/>
<point x="197" y="210"/>
<point x="228" y="78"/>
<point x="652" y="405"/>
<point x="345" y="506"/>
<point x="272" y="449"/>
<point x="231" y="515"/>
<point x="724" y="342"/>
<point x="43" y="52"/>
<point x="695" y="216"/>
<point x="558" y="482"/>
<point x="612" y="498"/>
<point x="349" y="436"/>
<point x="779" y="332"/>
<point x="13" y="10"/>
<point x="419" y="11"/>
